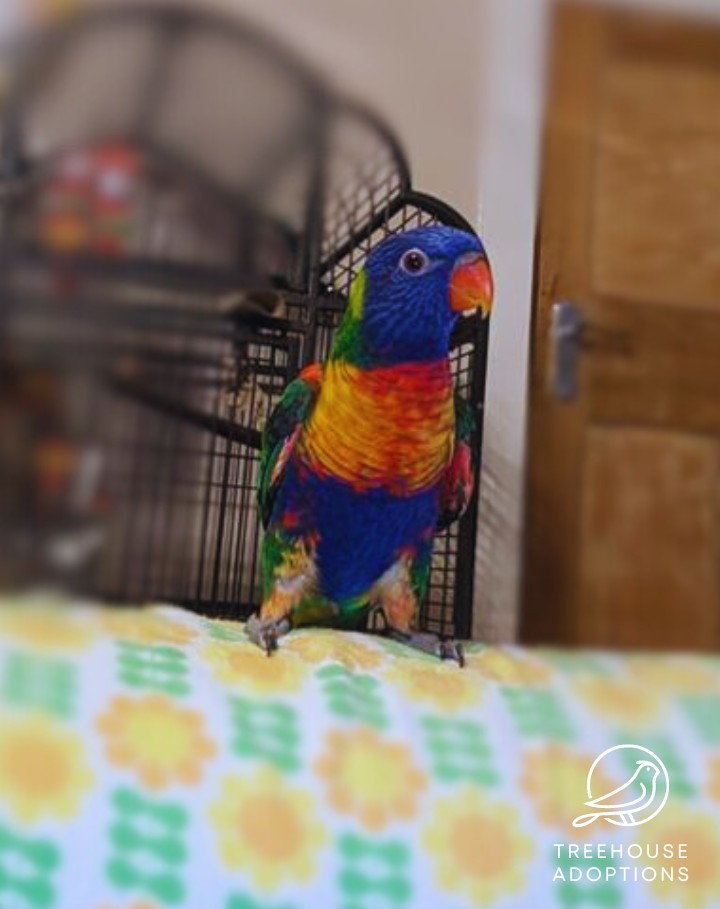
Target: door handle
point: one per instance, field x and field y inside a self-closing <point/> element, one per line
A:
<point x="570" y="334"/>
<point x="567" y="327"/>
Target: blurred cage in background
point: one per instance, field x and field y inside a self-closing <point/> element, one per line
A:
<point x="184" y="206"/>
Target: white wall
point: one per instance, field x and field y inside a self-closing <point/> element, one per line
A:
<point x="508" y="166"/>
<point x="414" y="61"/>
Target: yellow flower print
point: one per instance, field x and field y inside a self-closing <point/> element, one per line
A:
<point x="556" y="781"/>
<point x="370" y="778"/>
<point x="43" y="769"/>
<point x="443" y="686"/>
<point x="616" y="701"/>
<point x="341" y="647"/>
<point x="509" y="667"/>
<point x="699" y="831"/>
<point x="142" y="626"/>
<point x="245" y="664"/>
<point x="156" y="739"/>
<point x="477" y="847"/>
<point x="689" y="675"/>
<point x="53" y="628"/>
<point x="714" y="781"/>
<point x="267" y="828"/>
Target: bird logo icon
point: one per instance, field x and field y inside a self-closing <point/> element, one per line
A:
<point x="638" y="800"/>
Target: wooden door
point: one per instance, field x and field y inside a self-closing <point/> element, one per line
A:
<point x="623" y="505"/>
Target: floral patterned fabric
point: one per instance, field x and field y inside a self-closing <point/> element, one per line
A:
<point x="153" y="758"/>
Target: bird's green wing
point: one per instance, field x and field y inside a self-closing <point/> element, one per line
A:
<point x="281" y="433"/>
<point x="459" y="480"/>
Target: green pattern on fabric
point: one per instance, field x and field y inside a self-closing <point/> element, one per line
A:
<point x="39" y="683"/>
<point x="398" y="649"/>
<point x="26" y="869"/>
<point x="539" y="714"/>
<point x="459" y="751"/>
<point x="174" y="770"/>
<point x="221" y="631"/>
<point x="374" y="872"/>
<point x="148" y="847"/>
<point x="607" y="894"/>
<point x="154" y="667"/>
<point x="239" y="901"/>
<point x="581" y="662"/>
<point x="268" y="730"/>
<point x="353" y="696"/>
<point x="703" y="711"/>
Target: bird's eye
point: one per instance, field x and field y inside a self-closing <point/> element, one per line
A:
<point x="414" y="262"/>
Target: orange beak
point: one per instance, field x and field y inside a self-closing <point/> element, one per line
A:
<point x="471" y="284"/>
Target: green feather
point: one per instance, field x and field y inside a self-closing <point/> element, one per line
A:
<point x="274" y="547"/>
<point x="357" y="295"/>
<point x="348" y="344"/>
<point x="465" y="420"/>
<point x="420" y="575"/>
<point x="293" y="409"/>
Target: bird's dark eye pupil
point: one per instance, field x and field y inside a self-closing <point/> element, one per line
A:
<point x="414" y="261"/>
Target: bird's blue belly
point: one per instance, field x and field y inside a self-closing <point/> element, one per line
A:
<point x="358" y="534"/>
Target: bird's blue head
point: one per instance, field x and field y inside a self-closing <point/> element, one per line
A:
<point x="405" y="301"/>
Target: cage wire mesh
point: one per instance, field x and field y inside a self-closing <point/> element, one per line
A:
<point x="141" y="357"/>
<point x="145" y="457"/>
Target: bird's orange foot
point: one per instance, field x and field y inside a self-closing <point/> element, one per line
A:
<point x="444" y="648"/>
<point x="265" y="632"/>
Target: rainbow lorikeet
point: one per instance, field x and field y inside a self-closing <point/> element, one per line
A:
<point x="366" y="456"/>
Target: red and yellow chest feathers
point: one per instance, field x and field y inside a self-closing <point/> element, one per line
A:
<point x="383" y="427"/>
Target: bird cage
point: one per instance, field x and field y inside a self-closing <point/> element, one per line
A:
<point x="183" y="207"/>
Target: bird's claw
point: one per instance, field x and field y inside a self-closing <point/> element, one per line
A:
<point x="269" y="639"/>
<point x="448" y="649"/>
<point x="266" y="632"/>
<point x="444" y="648"/>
